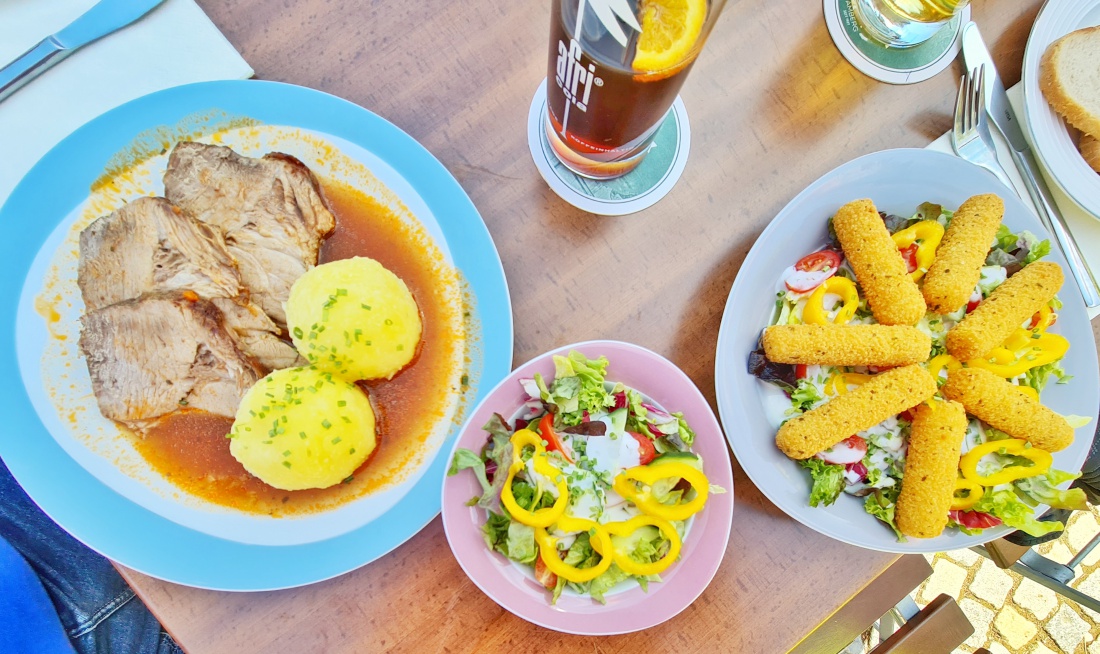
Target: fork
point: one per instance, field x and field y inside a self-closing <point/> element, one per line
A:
<point x="972" y="141"/>
<point x="970" y="137"/>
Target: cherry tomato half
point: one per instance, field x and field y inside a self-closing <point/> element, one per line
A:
<point x="646" y="451"/>
<point x="909" y="254"/>
<point x="813" y="269"/>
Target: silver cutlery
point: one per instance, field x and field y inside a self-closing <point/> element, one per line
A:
<point x="976" y="55"/>
<point x="970" y="136"/>
<point x="104" y="18"/>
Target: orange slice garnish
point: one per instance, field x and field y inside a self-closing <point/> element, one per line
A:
<point x="670" y="29"/>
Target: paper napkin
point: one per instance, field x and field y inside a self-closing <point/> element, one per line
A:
<point x="1084" y="227"/>
<point x="173" y="44"/>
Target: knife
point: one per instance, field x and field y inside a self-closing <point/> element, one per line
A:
<point x="975" y="54"/>
<point x="99" y="21"/>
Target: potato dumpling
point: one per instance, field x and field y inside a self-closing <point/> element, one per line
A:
<point x="354" y="318"/>
<point x="303" y="428"/>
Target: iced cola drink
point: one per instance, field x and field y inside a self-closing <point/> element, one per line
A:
<point x="615" y="69"/>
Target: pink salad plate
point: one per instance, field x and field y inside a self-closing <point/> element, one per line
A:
<point x="628" y="609"/>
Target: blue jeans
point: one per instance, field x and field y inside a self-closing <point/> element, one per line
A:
<point x="97" y="609"/>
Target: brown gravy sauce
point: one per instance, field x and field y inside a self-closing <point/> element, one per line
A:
<point x="191" y="449"/>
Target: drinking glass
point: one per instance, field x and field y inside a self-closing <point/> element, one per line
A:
<point x="615" y="69"/>
<point x="904" y="23"/>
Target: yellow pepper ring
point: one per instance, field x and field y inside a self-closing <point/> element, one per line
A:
<point x="649" y="474"/>
<point x="838" y="383"/>
<point x="598" y="537"/>
<point x="1041" y="459"/>
<point x="814" y="312"/>
<point x="546" y="516"/>
<point x="938" y="363"/>
<point x="625" y="528"/>
<point x="927" y="234"/>
<point x="1030" y="352"/>
<point x="974" y="493"/>
<point x="1046" y="317"/>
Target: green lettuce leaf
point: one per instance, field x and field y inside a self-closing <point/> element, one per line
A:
<point x="1041" y="249"/>
<point x="521" y="543"/>
<point x="466" y="459"/>
<point x="1039" y="376"/>
<point x="605" y="582"/>
<point x="495" y="531"/>
<point x="1043" y="489"/>
<point x="1015" y="513"/>
<point x="882" y="504"/>
<point x="805" y="396"/>
<point x="578" y="386"/>
<point x="828" y="481"/>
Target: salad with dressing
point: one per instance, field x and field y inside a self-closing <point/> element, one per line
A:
<point x="590" y="483"/>
<point x="1000" y="480"/>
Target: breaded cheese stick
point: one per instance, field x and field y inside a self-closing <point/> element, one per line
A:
<point x="847" y="345"/>
<point x="958" y="264"/>
<point x="1010" y="304"/>
<point x="931" y="467"/>
<point x="999" y="403"/>
<point x="880" y="270"/>
<point x="885" y="395"/>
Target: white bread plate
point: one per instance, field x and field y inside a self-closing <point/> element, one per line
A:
<point x="1054" y="142"/>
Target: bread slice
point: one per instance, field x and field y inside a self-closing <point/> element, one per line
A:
<point x="1090" y="150"/>
<point x="1069" y="76"/>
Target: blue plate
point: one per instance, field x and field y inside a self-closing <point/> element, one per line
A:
<point x="139" y="538"/>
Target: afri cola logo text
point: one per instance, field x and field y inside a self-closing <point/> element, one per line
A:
<point x="575" y="80"/>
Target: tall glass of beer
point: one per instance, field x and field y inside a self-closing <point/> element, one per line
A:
<point x="904" y="23"/>
<point x="615" y="69"/>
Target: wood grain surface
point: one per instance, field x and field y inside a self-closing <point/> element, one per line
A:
<point x="773" y="106"/>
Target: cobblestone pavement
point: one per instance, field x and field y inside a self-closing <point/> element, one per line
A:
<point x="1014" y="614"/>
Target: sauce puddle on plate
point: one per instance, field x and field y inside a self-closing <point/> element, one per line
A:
<point x="191" y="449"/>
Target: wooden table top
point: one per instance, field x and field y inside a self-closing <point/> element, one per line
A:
<point x="773" y="106"/>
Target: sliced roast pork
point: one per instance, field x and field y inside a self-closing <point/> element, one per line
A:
<point x="159" y="354"/>
<point x="256" y="334"/>
<point x="269" y="209"/>
<point x="149" y="246"/>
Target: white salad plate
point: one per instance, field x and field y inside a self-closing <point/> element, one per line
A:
<point x="85" y="475"/>
<point x="898" y="181"/>
<point x="1054" y="141"/>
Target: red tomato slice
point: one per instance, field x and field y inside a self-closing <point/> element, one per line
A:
<point x="819" y="260"/>
<point x="975" y="519"/>
<point x="800" y="371"/>
<point x="971" y="305"/>
<point x="910" y="256"/>
<point x="849" y="450"/>
<point x="553" y="442"/>
<point x="813" y="269"/>
<point x="646" y="451"/>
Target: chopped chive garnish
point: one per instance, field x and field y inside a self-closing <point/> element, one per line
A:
<point x="325" y="423"/>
